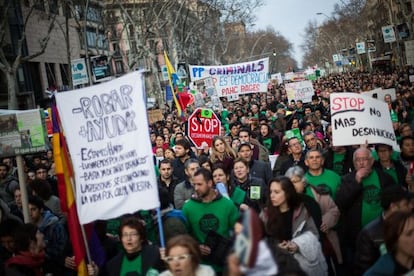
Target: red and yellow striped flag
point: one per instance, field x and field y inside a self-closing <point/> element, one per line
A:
<point x="64" y="174"/>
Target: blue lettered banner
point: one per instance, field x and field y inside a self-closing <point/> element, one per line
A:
<point x="106" y="129"/>
<point x="235" y="79"/>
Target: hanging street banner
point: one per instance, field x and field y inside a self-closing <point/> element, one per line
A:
<point x="357" y="118"/>
<point x="79" y="72"/>
<point x="360" y="47"/>
<point x="235" y="79"/>
<point x="302" y="90"/>
<point x="106" y="129"/>
<point x="22" y="132"/>
<point x="388" y="34"/>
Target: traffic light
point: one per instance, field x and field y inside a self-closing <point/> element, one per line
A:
<point x="274" y="53"/>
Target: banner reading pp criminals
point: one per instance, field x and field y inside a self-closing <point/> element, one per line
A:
<point x="235" y="79"/>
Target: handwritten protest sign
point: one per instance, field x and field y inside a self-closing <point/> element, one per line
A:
<point x="22" y="132"/>
<point x="106" y="129"/>
<point x="155" y="115"/>
<point x="235" y="79"/>
<point x="302" y="90"/>
<point x="357" y="118"/>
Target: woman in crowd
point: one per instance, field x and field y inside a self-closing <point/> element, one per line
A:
<point x="327" y="208"/>
<point x="268" y="139"/>
<point x="160" y="143"/>
<point x="29" y="254"/>
<point x="247" y="191"/>
<point x="204" y="162"/>
<point x="220" y="176"/>
<point x="138" y="257"/>
<point x="290" y="226"/>
<point x="235" y="143"/>
<point x="399" y="241"/>
<point x="169" y="154"/>
<point x="183" y="257"/>
<point x="222" y="153"/>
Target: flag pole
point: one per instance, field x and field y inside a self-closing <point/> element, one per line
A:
<point x="82" y="228"/>
<point x="160" y="228"/>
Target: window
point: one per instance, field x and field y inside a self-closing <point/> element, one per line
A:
<point x="53" y="6"/>
<point x="64" y="73"/>
<point x="119" y="67"/>
<point x="39" y="5"/>
<point x="91" y="38"/>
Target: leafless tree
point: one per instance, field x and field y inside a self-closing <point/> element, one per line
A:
<point x="10" y="65"/>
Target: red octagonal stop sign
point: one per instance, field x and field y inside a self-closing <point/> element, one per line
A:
<point x="203" y="125"/>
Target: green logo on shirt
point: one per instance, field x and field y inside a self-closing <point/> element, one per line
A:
<point x="209" y="222"/>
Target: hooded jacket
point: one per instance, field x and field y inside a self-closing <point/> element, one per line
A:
<point x="55" y="236"/>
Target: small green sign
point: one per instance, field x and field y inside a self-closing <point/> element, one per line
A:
<point x="294" y="133"/>
<point x="206" y="113"/>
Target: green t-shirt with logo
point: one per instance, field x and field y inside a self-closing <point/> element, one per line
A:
<point x="371" y="206"/>
<point x="218" y="216"/>
<point x="328" y="180"/>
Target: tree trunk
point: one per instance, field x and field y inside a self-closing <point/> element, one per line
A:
<point x="12" y="89"/>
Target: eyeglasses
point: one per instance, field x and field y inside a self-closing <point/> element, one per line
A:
<point x="179" y="258"/>
<point x="129" y="235"/>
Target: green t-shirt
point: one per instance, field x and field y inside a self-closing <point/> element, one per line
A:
<point x="219" y="216"/>
<point x="131" y="266"/>
<point x="392" y="172"/>
<point x="267" y="142"/>
<point x="328" y="179"/>
<point x="308" y="192"/>
<point x="371" y="206"/>
<point x="338" y="166"/>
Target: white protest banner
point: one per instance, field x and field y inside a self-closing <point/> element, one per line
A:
<point x="302" y="90"/>
<point x="277" y="77"/>
<point x="380" y="93"/>
<point x="357" y="118"/>
<point x="235" y="79"/>
<point x="106" y="129"/>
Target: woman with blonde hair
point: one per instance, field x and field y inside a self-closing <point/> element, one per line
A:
<point x="183" y="257"/>
<point x="222" y="153"/>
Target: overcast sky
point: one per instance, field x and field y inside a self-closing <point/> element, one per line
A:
<point x="290" y="18"/>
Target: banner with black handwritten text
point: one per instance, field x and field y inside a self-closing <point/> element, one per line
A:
<point x="106" y="129"/>
<point x="235" y="79"/>
<point x="357" y="118"/>
<point x="302" y="90"/>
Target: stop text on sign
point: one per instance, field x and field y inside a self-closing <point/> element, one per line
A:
<point x="203" y="125"/>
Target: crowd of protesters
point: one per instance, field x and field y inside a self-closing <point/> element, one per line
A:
<point x="319" y="209"/>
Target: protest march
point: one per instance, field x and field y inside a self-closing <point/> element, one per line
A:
<point x="238" y="174"/>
